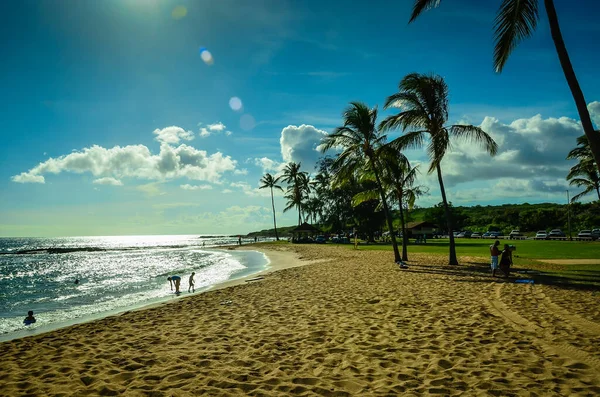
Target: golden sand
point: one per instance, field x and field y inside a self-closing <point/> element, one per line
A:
<point x="350" y="324"/>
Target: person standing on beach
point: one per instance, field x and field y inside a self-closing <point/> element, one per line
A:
<point x="174" y="280"/>
<point x="191" y="282"/>
<point x="239" y="240"/>
<point x="506" y="260"/>
<point x="494" y="252"/>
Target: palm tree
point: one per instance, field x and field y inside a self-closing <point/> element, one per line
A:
<point x="424" y="102"/>
<point x="297" y="185"/>
<point x="399" y="176"/>
<point x="515" y="21"/>
<point x="360" y="140"/>
<point x="583" y="174"/>
<point x="269" y="181"/>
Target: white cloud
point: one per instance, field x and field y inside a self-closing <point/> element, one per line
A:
<point x="248" y="190"/>
<point x="226" y="191"/>
<point x="594" y="109"/>
<point x="172" y="135"/>
<point x="26" y="177"/>
<point x="300" y="144"/>
<point x="108" y="181"/>
<point x="195" y="187"/>
<point x="266" y="164"/>
<point x="136" y="161"/>
<point x="151" y="189"/>
<point x="241" y="172"/>
<point x="211" y="129"/>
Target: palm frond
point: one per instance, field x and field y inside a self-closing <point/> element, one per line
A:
<point x="410" y="140"/>
<point x="515" y="21"/>
<point x="365" y="196"/>
<point x="422" y="5"/>
<point x="475" y="135"/>
<point x="588" y="190"/>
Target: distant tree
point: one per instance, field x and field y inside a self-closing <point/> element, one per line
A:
<point x="268" y="181"/>
<point x="296" y="190"/>
<point x="515" y="21"/>
<point x="423" y="100"/>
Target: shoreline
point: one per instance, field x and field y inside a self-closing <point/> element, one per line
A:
<point x="270" y="266"/>
<point x="352" y="323"/>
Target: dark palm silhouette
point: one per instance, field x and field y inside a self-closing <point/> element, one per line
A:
<point x="585" y="173"/>
<point x="515" y="21"/>
<point x="360" y="139"/>
<point x="268" y="181"/>
<point x="424" y="112"/>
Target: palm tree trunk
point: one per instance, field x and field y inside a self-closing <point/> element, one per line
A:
<point x="592" y="136"/>
<point x="386" y="212"/>
<point x="404" y="236"/>
<point x="274" y="221"/>
<point x="452" y="260"/>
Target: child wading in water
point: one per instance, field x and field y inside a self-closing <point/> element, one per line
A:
<point x="191" y="282"/>
<point x="29" y="319"/>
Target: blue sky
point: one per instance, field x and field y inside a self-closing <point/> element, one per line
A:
<point x="114" y="124"/>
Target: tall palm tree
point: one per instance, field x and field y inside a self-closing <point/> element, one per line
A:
<point x="360" y="139"/>
<point x="297" y="184"/>
<point x="424" y="112"/>
<point x="583" y="174"/>
<point x="268" y="181"/>
<point x="515" y="21"/>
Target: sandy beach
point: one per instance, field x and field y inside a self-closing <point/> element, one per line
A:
<point x="349" y="323"/>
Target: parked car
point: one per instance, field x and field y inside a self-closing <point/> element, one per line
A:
<point x="596" y="233"/>
<point x="486" y="235"/>
<point x="475" y="235"/>
<point x="585" y="234"/>
<point x="541" y="235"/>
<point x="515" y="234"/>
<point x="494" y="234"/>
<point x="320" y="240"/>
<point x="556" y="233"/>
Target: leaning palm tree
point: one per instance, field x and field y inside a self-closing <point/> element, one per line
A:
<point x="268" y="181"/>
<point x="359" y="139"/>
<point x="515" y="21"/>
<point x="424" y="112"/>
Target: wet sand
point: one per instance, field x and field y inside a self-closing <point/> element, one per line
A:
<point x="349" y="323"/>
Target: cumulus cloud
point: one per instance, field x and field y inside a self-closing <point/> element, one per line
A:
<point x="172" y="135"/>
<point x="108" y="181"/>
<point x="243" y="171"/>
<point x="533" y="148"/>
<point x="136" y="161"/>
<point x="594" y="109"/>
<point x="211" y="129"/>
<point x="187" y="186"/>
<point x="300" y="144"/>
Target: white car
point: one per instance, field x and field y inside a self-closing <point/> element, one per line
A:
<point x="585" y="234"/>
<point x="541" y="235"/>
<point x="515" y="234"/>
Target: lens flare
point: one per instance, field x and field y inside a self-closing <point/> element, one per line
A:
<point x="235" y="103"/>
<point x="179" y="12"/>
<point x="247" y="122"/>
<point x="206" y="56"/>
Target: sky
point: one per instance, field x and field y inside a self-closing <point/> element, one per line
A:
<point x="160" y="116"/>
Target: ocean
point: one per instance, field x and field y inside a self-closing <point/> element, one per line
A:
<point x="116" y="274"/>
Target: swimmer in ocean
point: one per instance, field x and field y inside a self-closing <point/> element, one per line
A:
<point x="29" y="319"/>
<point x="174" y="280"/>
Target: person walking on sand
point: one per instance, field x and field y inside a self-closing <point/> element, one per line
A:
<point x="494" y="252"/>
<point x="191" y="282"/>
<point x="174" y="280"/>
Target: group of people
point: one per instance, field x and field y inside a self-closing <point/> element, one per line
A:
<point x="501" y="259"/>
<point x="176" y="280"/>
